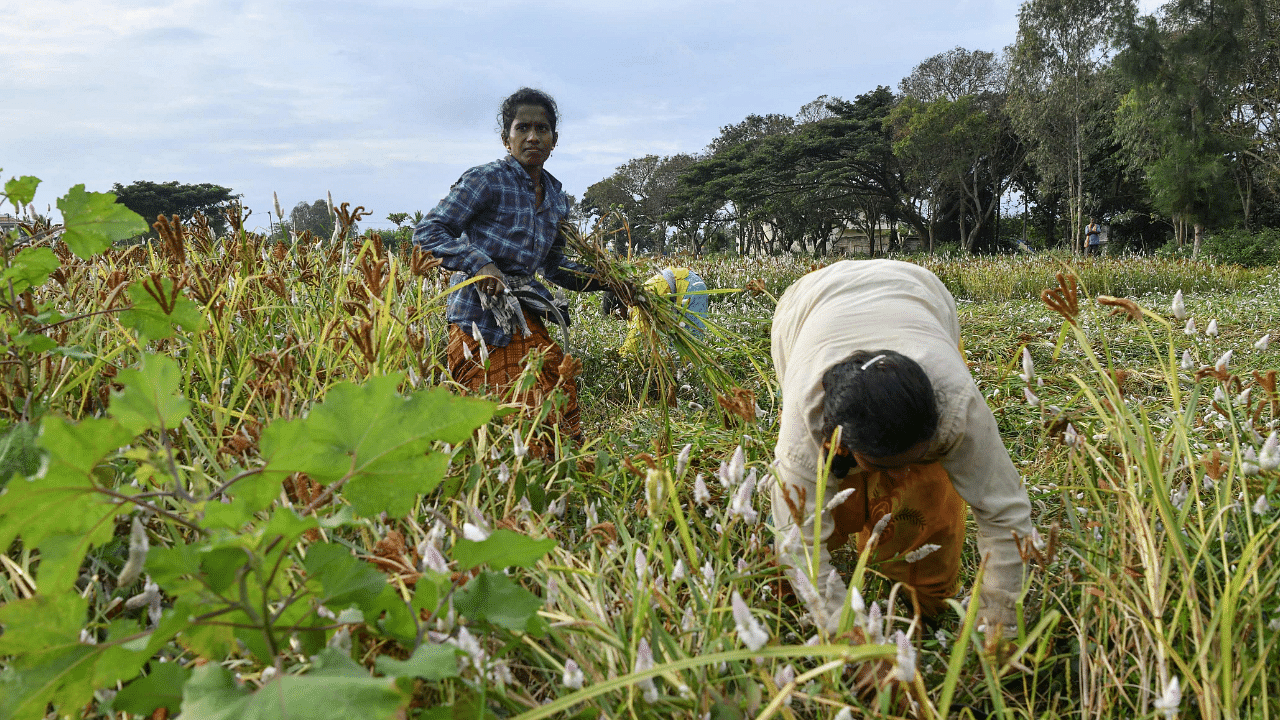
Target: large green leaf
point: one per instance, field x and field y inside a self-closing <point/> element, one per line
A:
<point x="18" y="452"/>
<point x="378" y="437"/>
<point x="212" y="694"/>
<point x="95" y="220"/>
<point x="30" y="268"/>
<point x="152" y="320"/>
<point x="429" y="662"/>
<point x="495" y="598"/>
<point x="21" y="190"/>
<point x="345" y="580"/>
<point x="502" y="549"/>
<point x="50" y="665"/>
<point x="58" y="510"/>
<point x="152" y="396"/>
<point x="161" y="688"/>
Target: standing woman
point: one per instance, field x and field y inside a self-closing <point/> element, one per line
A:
<point x="873" y="347"/>
<point x="500" y="223"/>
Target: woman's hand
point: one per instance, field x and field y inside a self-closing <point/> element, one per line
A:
<point x="491" y="281"/>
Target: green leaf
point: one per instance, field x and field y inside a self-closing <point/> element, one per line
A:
<point x="152" y="396"/>
<point x="30" y="268"/>
<point x="150" y="318"/>
<point x="94" y="221"/>
<point x="335" y="663"/>
<point x="502" y="549"/>
<point x="18" y="452"/>
<point x="161" y="688"/>
<point x="21" y="190"/>
<point x="49" y="665"/>
<point x="60" y="507"/>
<point x="378" y="437"/>
<point x="495" y="598"/>
<point x="34" y="343"/>
<point x="345" y="580"/>
<point x="429" y="662"/>
<point x="212" y="694"/>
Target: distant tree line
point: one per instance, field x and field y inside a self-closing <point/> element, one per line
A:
<point x="1163" y="126"/>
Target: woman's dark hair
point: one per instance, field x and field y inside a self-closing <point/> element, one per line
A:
<point x="526" y="96"/>
<point x="883" y="402"/>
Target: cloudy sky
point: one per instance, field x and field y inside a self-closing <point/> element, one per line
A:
<point x="385" y="102"/>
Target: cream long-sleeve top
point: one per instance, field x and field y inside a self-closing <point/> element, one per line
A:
<point x="822" y="319"/>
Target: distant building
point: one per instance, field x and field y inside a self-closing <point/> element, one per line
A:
<point x="7" y="223"/>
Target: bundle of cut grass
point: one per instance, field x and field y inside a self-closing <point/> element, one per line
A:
<point x="670" y="339"/>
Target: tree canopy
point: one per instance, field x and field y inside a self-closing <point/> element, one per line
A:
<point x="152" y="199"/>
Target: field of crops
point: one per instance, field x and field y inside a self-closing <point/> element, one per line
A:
<point x="243" y="486"/>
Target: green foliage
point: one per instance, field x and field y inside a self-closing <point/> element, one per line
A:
<point x="314" y="218"/>
<point x="21" y="190"/>
<point x="1257" y="248"/>
<point x="152" y="199"/>
<point x="502" y="549"/>
<point x="158" y="308"/>
<point x="213" y="694"/>
<point x="30" y="268"/>
<point x="93" y="221"/>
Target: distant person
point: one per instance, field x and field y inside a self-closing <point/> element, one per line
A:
<point x="681" y="286"/>
<point x="1093" y="237"/>
<point x="873" y="347"/>
<point x="500" y="223"/>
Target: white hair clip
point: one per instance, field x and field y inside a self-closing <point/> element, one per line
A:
<point x="872" y="361"/>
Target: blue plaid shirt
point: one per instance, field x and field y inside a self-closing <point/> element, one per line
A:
<point x="489" y="216"/>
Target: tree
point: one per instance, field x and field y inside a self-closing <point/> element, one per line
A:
<point x="955" y="73"/>
<point x="1195" y="122"/>
<point x="314" y="218"/>
<point x="1060" y="99"/>
<point x="964" y="147"/>
<point x="642" y="190"/>
<point x="151" y="199"/>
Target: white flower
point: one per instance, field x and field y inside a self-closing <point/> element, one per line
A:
<point x="750" y="632"/>
<point x="838" y="499"/>
<point x="844" y="714"/>
<point x="466" y="352"/>
<point x="688" y="621"/>
<point x="557" y="506"/>
<point x="905" y="669"/>
<point x="881" y="524"/>
<point x="792" y="544"/>
<point x="1170" y="700"/>
<point x="922" y="552"/>
<point x="735" y="469"/>
<point x="857" y="605"/>
<point x="644" y="661"/>
<point x="708" y="573"/>
<point x="783" y="677"/>
<point x="1190" y="329"/>
<point x="573" y="677"/>
<point x="740" y="505"/>
<point x="941" y="637"/>
<point x="432" y="558"/>
<point x="1179" y="495"/>
<point x="1032" y="400"/>
<point x="1261" y="507"/>
<point x="1188" y="363"/>
<point x="517" y="444"/>
<point x="701" y="494"/>
<point x="682" y="461"/>
<point x="874" y="626"/>
<point x="1263" y="342"/>
<point x="1028" y="367"/>
<point x="1269" y="458"/>
<point x="1179" y="309"/>
<point x="1221" y="365"/>
<point x="474" y="533"/>
<point x="1219" y="396"/>
<point x="642" y="565"/>
<point x="267" y="673"/>
<point x="677" y="572"/>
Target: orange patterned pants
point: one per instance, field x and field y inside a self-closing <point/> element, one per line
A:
<point x="926" y="509"/>
<point x="506" y="365"/>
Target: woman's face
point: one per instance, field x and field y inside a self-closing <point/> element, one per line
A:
<point x="894" y="466"/>
<point x="530" y="137"/>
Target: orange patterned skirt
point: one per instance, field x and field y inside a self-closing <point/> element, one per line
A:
<point x="506" y="366"/>
<point x="926" y="509"/>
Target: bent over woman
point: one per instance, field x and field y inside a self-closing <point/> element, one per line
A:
<point x="500" y="223"/>
<point x="873" y="347"/>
